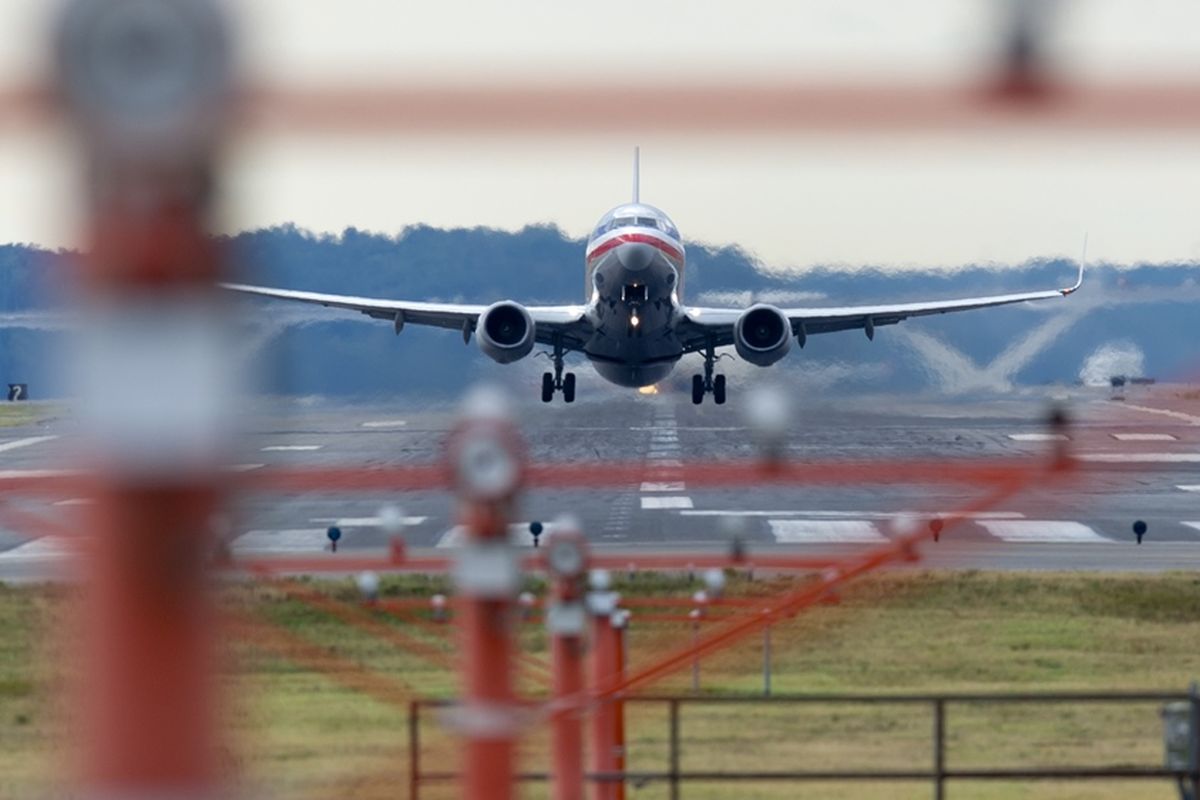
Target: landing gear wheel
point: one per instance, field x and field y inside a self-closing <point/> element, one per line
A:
<point x="568" y="387"/>
<point x="697" y="390"/>
<point x="547" y="387"/>
<point x="719" y="390"/>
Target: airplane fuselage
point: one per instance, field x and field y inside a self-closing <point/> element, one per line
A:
<point x="635" y="268"/>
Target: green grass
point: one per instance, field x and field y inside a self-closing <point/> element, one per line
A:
<point x="14" y="415"/>
<point x="305" y="734"/>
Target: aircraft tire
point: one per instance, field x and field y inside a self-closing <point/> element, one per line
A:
<point x="569" y="387"/>
<point x="547" y="387"/>
<point x="697" y="390"/>
<point x="719" y="390"/>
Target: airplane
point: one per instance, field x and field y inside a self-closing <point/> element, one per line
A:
<point x="635" y="326"/>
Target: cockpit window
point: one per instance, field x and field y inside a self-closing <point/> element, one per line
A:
<point x="657" y="223"/>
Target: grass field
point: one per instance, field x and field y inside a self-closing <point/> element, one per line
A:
<point x="14" y="415"/>
<point x="305" y="733"/>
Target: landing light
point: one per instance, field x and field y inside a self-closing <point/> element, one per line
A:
<point x="634" y="320"/>
<point x="648" y="390"/>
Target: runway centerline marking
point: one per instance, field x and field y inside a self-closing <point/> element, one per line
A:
<point x="806" y="531"/>
<point x="363" y="522"/>
<point x="657" y="503"/>
<point x="1145" y="437"/>
<point x="386" y="423"/>
<point x="1041" y="530"/>
<point x="855" y="514"/>
<point x="665" y="486"/>
<point x="1039" y="437"/>
<point x="1189" y="487"/>
<point x="1195" y="525"/>
<point x="19" y="443"/>
<point x="1141" y="458"/>
<point x="285" y="448"/>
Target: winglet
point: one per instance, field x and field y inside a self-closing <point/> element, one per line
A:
<point x="637" y="179"/>
<point x="1079" y="280"/>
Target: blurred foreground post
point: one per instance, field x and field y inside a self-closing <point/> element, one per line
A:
<point x="566" y="618"/>
<point x="146" y="87"/>
<point x="485" y="460"/>
<point x="606" y="672"/>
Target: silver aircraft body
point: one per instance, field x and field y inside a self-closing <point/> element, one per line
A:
<point x="634" y="326"/>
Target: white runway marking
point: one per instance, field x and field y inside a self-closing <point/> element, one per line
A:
<point x="76" y="501"/>
<point x="667" y="486"/>
<point x="285" y="448"/>
<point x="1038" y="530"/>
<point x="386" y="423"/>
<point x="1195" y="525"/>
<point x="1189" y="487"/>
<point x="1166" y="412"/>
<point x="518" y="535"/>
<point x="807" y="531"/>
<point x="651" y="503"/>
<point x="19" y="443"/>
<point x="47" y="548"/>
<point x="1039" y="437"/>
<point x="1145" y="437"/>
<point x="292" y="540"/>
<point x="855" y="514"/>
<point x="362" y="522"/>
<point x="38" y="473"/>
<point x="1141" y="458"/>
<point x="243" y="467"/>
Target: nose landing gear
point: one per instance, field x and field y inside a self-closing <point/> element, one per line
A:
<point x="703" y="384"/>
<point x="557" y="381"/>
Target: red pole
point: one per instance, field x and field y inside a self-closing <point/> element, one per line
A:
<point x="605" y="673"/>
<point x="486" y="461"/>
<point x="620" y="623"/>
<point x="566" y="559"/>
<point x="154" y="389"/>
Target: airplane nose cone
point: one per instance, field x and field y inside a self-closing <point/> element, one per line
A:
<point x="636" y="257"/>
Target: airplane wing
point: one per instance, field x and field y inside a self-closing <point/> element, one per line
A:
<point x="567" y="322"/>
<point x="702" y="325"/>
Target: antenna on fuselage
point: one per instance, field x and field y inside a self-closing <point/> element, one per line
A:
<point x="637" y="169"/>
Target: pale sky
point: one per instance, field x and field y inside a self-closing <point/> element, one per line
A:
<point x="898" y="200"/>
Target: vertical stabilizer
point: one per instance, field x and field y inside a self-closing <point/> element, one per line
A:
<point x="637" y="178"/>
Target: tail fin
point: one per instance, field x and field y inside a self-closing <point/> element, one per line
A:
<point x="637" y="178"/>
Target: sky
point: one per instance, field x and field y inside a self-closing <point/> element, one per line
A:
<point x="904" y="201"/>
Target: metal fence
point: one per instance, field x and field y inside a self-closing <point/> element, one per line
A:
<point x="937" y="773"/>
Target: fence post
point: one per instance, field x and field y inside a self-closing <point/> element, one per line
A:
<point x="673" y="754"/>
<point x="414" y="749"/>
<point x="939" y="748"/>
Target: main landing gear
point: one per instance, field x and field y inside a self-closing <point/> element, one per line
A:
<point x="556" y="380"/>
<point x="702" y="384"/>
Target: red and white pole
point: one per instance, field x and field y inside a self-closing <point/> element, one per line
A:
<point x="566" y="619"/>
<point x="487" y="465"/>
<point x="147" y="89"/>
<point x="602" y="603"/>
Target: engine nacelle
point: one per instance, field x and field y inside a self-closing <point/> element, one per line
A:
<point x="762" y="335"/>
<point x="505" y="332"/>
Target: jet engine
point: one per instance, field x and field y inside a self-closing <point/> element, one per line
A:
<point x="762" y="335"/>
<point x="505" y="331"/>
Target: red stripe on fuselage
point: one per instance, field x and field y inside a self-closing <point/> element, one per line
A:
<point x="635" y="238"/>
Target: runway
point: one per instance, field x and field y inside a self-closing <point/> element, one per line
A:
<point x="1140" y="457"/>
